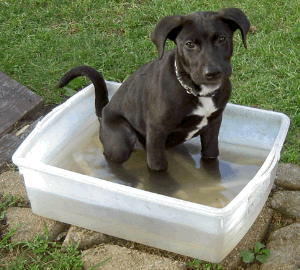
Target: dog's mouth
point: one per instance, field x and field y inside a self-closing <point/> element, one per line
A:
<point x="210" y="88"/>
<point x="204" y="89"/>
<point x="197" y="89"/>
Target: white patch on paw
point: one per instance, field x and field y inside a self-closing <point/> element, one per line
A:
<point x="207" y="108"/>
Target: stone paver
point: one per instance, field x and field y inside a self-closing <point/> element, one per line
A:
<point x="124" y="259"/>
<point x="11" y="182"/>
<point x="288" y="177"/>
<point x="32" y="225"/>
<point x="284" y="245"/>
<point x="86" y="238"/>
<point x="287" y="203"/>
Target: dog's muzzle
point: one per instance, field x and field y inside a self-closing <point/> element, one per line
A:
<point x="207" y="90"/>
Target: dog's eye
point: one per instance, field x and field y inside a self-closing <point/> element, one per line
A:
<point x="190" y="45"/>
<point x="222" y="39"/>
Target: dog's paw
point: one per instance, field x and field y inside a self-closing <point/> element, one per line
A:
<point x="209" y="157"/>
<point x="210" y="154"/>
<point x="161" y="165"/>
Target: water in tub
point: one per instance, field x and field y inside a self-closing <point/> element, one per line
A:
<point x="214" y="183"/>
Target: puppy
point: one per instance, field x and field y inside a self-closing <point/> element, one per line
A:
<point x="179" y="95"/>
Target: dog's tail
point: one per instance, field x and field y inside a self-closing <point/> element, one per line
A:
<point x="101" y="94"/>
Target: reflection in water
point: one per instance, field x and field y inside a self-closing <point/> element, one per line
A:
<point x="212" y="182"/>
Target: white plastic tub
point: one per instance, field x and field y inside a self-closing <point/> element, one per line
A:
<point x="184" y="227"/>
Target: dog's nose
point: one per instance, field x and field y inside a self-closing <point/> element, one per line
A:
<point x="212" y="74"/>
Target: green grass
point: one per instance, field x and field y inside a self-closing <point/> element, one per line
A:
<point x="40" y="40"/>
<point x="260" y="253"/>
<point x="8" y="201"/>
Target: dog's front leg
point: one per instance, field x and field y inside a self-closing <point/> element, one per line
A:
<point x="209" y="139"/>
<point x="155" y="144"/>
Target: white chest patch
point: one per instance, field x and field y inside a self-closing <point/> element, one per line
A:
<point x="207" y="108"/>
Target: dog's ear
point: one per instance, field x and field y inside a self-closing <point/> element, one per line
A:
<point x="167" y="28"/>
<point x="236" y="19"/>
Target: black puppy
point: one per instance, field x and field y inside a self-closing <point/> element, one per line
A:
<point x="180" y="95"/>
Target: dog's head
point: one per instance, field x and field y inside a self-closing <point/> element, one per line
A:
<point x="204" y="44"/>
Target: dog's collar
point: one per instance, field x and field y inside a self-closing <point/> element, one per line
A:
<point x="189" y="89"/>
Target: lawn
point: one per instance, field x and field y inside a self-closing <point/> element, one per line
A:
<point x="40" y="40"/>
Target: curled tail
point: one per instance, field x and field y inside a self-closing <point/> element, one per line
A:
<point x="101" y="94"/>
